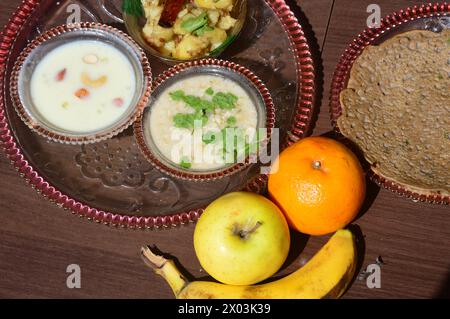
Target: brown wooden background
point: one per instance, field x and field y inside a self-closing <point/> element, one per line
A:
<point x="38" y="240"/>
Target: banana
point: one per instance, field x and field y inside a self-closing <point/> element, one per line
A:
<point x="326" y="275"/>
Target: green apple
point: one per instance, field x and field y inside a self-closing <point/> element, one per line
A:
<point x="242" y="239"/>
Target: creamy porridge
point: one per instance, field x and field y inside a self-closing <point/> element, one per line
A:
<point x="83" y="86"/>
<point x="190" y="120"/>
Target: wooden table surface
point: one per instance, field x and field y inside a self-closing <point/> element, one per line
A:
<point x="38" y="240"/>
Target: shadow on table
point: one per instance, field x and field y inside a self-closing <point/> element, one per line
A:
<point x="298" y="244"/>
<point x="299" y="241"/>
<point x="372" y="191"/>
<point x="360" y="252"/>
<point x="444" y="292"/>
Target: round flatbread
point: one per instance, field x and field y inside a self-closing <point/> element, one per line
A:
<point x="396" y="108"/>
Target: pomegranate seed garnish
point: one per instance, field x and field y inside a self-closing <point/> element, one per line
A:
<point x="118" y="102"/>
<point x="61" y="75"/>
<point x="82" y="93"/>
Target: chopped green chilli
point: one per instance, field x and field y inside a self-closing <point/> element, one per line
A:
<point x="195" y="23"/>
<point x="203" y="30"/>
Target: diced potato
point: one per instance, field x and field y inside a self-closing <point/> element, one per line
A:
<point x="215" y="4"/>
<point x="164" y="51"/>
<point x="170" y="47"/>
<point x="213" y="16"/>
<point x="157" y="35"/>
<point x="216" y="37"/>
<point x="190" y="6"/>
<point x="148" y="3"/>
<point x="197" y="11"/>
<point x="227" y="22"/>
<point x="178" y="42"/>
<point x="165" y="34"/>
<point x="190" y="47"/>
<point x="147" y="33"/>
<point x="183" y="13"/>
<point x="152" y="11"/>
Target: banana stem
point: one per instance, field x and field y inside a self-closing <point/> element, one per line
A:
<point x="166" y="269"/>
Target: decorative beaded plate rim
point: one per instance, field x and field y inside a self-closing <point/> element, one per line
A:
<point x="300" y="126"/>
<point x="340" y="77"/>
<point x="86" y="138"/>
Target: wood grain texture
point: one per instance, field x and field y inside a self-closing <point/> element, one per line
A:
<point x="38" y="240"/>
<point x="314" y="16"/>
<point x="412" y="238"/>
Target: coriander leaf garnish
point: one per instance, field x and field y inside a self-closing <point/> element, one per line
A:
<point x="193" y="101"/>
<point x="207" y="106"/>
<point x="233" y="97"/>
<point x="192" y="24"/>
<point x="231" y="121"/>
<point x="133" y="7"/>
<point x="209" y="137"/>
<point x="204" y="119"/>
<point x="177" y="95"/>
<point x="181" y="120"/>
<point x="188" y="120"/>
<point x="209" y="91"/>
<point x="202" y="107"/>
<point x="185" y="162"/>
<point x="225" y="101"/>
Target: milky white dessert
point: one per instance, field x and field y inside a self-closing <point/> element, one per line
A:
<point x="83" y="86"/>
<point x="190" y="120"/>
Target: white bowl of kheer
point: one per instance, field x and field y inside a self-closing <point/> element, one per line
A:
<point x="81" y="83"/>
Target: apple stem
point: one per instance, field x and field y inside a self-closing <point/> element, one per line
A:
<point x="245" y="233"/>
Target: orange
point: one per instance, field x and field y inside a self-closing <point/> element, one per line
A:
<point x="319" y="184"/>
